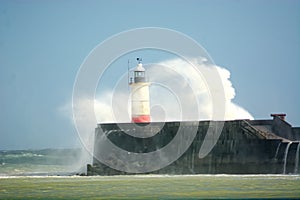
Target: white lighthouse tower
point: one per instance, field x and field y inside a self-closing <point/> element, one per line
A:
<point x="140" y="108"/>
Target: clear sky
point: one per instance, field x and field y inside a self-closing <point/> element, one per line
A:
<point x="43" y="43"/>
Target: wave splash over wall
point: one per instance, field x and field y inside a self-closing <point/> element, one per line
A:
<point x="177" y="93"/>
<point x="175" y="86"/>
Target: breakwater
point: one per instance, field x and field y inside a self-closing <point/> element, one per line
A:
<point x="243" y="147"/>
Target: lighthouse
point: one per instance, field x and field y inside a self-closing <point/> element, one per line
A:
<point x="140" y="107"/>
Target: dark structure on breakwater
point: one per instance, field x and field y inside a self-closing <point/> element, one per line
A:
<point x="244" y="147"/>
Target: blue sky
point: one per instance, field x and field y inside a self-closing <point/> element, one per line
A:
<point x="43" y="43"/>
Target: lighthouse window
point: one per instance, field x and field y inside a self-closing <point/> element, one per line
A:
<point x="139" y="74"/>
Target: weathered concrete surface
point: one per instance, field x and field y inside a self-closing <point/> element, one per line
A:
<point x="244" y="147"/>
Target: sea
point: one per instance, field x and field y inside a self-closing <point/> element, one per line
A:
<point x="58" y="174"/>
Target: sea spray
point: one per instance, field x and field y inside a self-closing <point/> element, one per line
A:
<point x="109" y="105"/>
<point x="277" y="150"/>
<point x="285" y="157"/>
<point x="297" y="159"/>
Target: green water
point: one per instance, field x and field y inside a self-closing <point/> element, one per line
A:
<point x="151" y="187"/>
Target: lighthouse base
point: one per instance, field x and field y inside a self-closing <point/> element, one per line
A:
<point x="141" y="119"/>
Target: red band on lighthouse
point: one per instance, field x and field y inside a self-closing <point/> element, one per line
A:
<point x="141" y="119"/>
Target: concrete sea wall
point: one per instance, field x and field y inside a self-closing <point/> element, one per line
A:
<point x="242" y="148"/>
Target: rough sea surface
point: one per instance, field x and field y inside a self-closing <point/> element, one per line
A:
<point x="39" y="162"/>
<point x="47" y="174"/>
